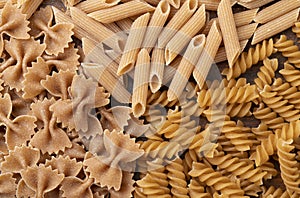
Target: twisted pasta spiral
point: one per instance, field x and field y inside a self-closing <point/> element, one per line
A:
<point x="189" y="157"/>
<point x="177" y="178"/>
<point x="247" y="59"/>
<point x="239" y="110"/>
<point x="266" y="73"/>
<point x="289" y="131"/>
<point x="288" y="50"/>
<point x="215" y="179"/>
<point x="261" y="132"/>
<point x="196" y="190"/>
<point x="277" y="192"/>
<point x="226" y="146"/>
<point x="291" y="74"/>
<point x="279" y="105"/>
<point x="290" y="173"/>
<point x="296" y="29"/>
<point x="242" y="169"/>
<point x="160" y="98"/>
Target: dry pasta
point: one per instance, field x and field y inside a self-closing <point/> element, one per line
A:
<point x="296" y="29"/>
<point x="94" y="5"/>
<point x="121" y="11"/>
<point x="174" y="3"/>
<point x="254" y="4"/>
<point x="29" y="7"/>
<point x="291" y="74"/>
<point x="156" y="69"/>
<point x="267" y="73"/>
<point x="245" y="32"/>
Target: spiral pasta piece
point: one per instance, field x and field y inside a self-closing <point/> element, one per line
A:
<point x="191" y="108"/>
<point x="290" y="173"/>
<point x="289" y="131"/>
<point x="277" y="192"/>
<point x="288" y="50"/>
<point x="196" y="190"/>
<point x="226" y="146"/>
<point x="160" y="98"/>
<point x="242" y="169"/>
<point x="239" y="110"/>
<point x="291" y="74"/>
<point x="250" y="58"/>
<point x="279" y="105"/>
<point x="215" y="179"/>
<point x="296" y="29"/>
<point x="189" y="157"/>
<point x="261" y="132"/>
<point x="177" y="179"/>
<point x="267" y="73"/>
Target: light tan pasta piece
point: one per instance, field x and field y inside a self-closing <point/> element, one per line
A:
<point x="98" y="31"/>
<point x="29" y="7"/>
<point x="221" y="54"/>
<point x="133" y="44"/>
<point x="213" y="4"/>
<point x="197" y="190"/>
<point x="125" y="24"/>
<point x="244" y="17"/>
<point x="156" y="24"/>
<point x="179" y="19"/>
<point x="8" y="185"/>
<point x="206" y="58"/>
<point x="156" y="69"/>
<point x="140" y="83"/>
<point x="245" y="32"/>
<point x="296" y="29"/>
<point x="170" y="71"/>
<point x="65" y="165"/>
<point x="267" y="73"/>
<point x="121" y="11"/>
<point x="73" y="186"/>
<point x="229" y="32"/>
<point x="185" y="34"/>
<point x="186" y="67"/>
<point x="94" y="5"/>
<point x="281" y="7"/>
<point x="174" y="3"/>
<point x="291" y="74"/>
<point x="254" y="4"/>
<point x="276" y="192"/>
<point x="275" y="26"/>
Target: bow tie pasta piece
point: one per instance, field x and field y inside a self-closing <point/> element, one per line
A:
<point x="7" y="185"/>
<point x="41" y="179"/>
<point x="126" y="187"/>
<point x="115" y="118"/>
<point x="19" y="159"/>
<point x="75" y="187"/>
<point x="23" y="190"/>
<point x="57" y="36"/>
<point x="65" y="165"/>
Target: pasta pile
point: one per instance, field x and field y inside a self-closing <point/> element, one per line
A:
<point x="149" y="98"/>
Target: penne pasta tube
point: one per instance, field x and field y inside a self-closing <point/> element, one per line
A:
<point x="99" y="31"/>
<point x="281" y="7"/>
<point x="186" y="67"/>
<point x="174" y="3"/>
<point x="156" y="24"/>
<point x="156" y="69"/>
<point x="89" y="6"/>
<point x="212" y="4"/>
<point x="121" y="11"/>
<point x="140" y="83"/>
<point x="185" y="34"/>
<point x="170" y="71"/>
<point x="29" y="7"/>
<point x="254" y="4"/>
<point x="133" y="44"/>
<point x="113" y="27"/>
<point x="221" y="54"/>
<point x="153" y="2"/>
<point x="275" y="26"/>
<point x="206" y="59"/>
<point x="101" y="74"/>
<point x="245" y="32"/>
<point x="125" y="24"/>
<point x="179" y="19"/>
<point x="229" y="32"/>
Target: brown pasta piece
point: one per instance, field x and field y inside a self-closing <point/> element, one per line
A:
<point x="23" y="190"/>
<point x="115" y="118"/>
<point x="19" y="159"/>
<point x="41" y="179"/>
<point x="126" y="187"/>
<point x="23" y="52"/>
<point x="75" y="187"/>
<point x="49" y="138"/>
<point x="8" y="185"/>
<point x="58" y="83"/>
<point x="65" y="165"/>
<point x="56" y="37"/>
<point x="18" y="130"/>
<point x="76" y="151"/>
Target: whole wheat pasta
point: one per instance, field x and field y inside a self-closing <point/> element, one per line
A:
<point x="95" y="5"/>
<point x="275" y="26"/>
<point x="212" y="4"/>
<point x="276" y="10"/>
<point x="254" y="4"/>
<point x="121" y="11"/>
<point x="133" y="44"/>
<point x="186" y="67"/>
<point x="29" y="7"/>
<point x="152" y="2"/>
<point x="174" y="3"/>
<point x="229" y="32"/>
<point x="182" y="16"/>
<point x="157" y="69"/>
<point x="182" y="38"/>
<point x="221" y="54"/>
<point x="156" y="24"/>
<point x="245" y="32"/>
<point x="107" y="80"/>
<point x="115" y="28"/>
<point x="206" y="58"/>
<point x="125" y="24"/>
<point x="170" y="71"/>
<point x="140" y="83"/>
<point x="99" y="31"/>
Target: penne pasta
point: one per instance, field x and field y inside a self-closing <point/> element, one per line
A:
<point x="229" y="32"/>
<point x="113" y="27"/>
<point x="29" y="7"/>
<point x="153" y="2"/>
<point x="98" y="31"/>
<point x="254" y="4"/>
<point x="140" y="83"/>
<point x="212" y="4"/>
<point x="156" y="69"/>
<point x="185" y="34"/>
<point x="275" y="26"/>
<point x="213" y="41"/>
<point x="89" y="6"/>
<point x="156" y="24"/>
<point x="179" y="19"/>
<point x="186" y="67"/>
<point x="281" y="7"/>
<point x="133" y="44"/>
<point x="107" y="80"/>
<point x="121" y="11"/>
<point x="174" y="3"/>
<point x="125" y="24"/>
<point x="221" y="54"/>
<point x="170" y="71"/>
<point x="246" y="31"/>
